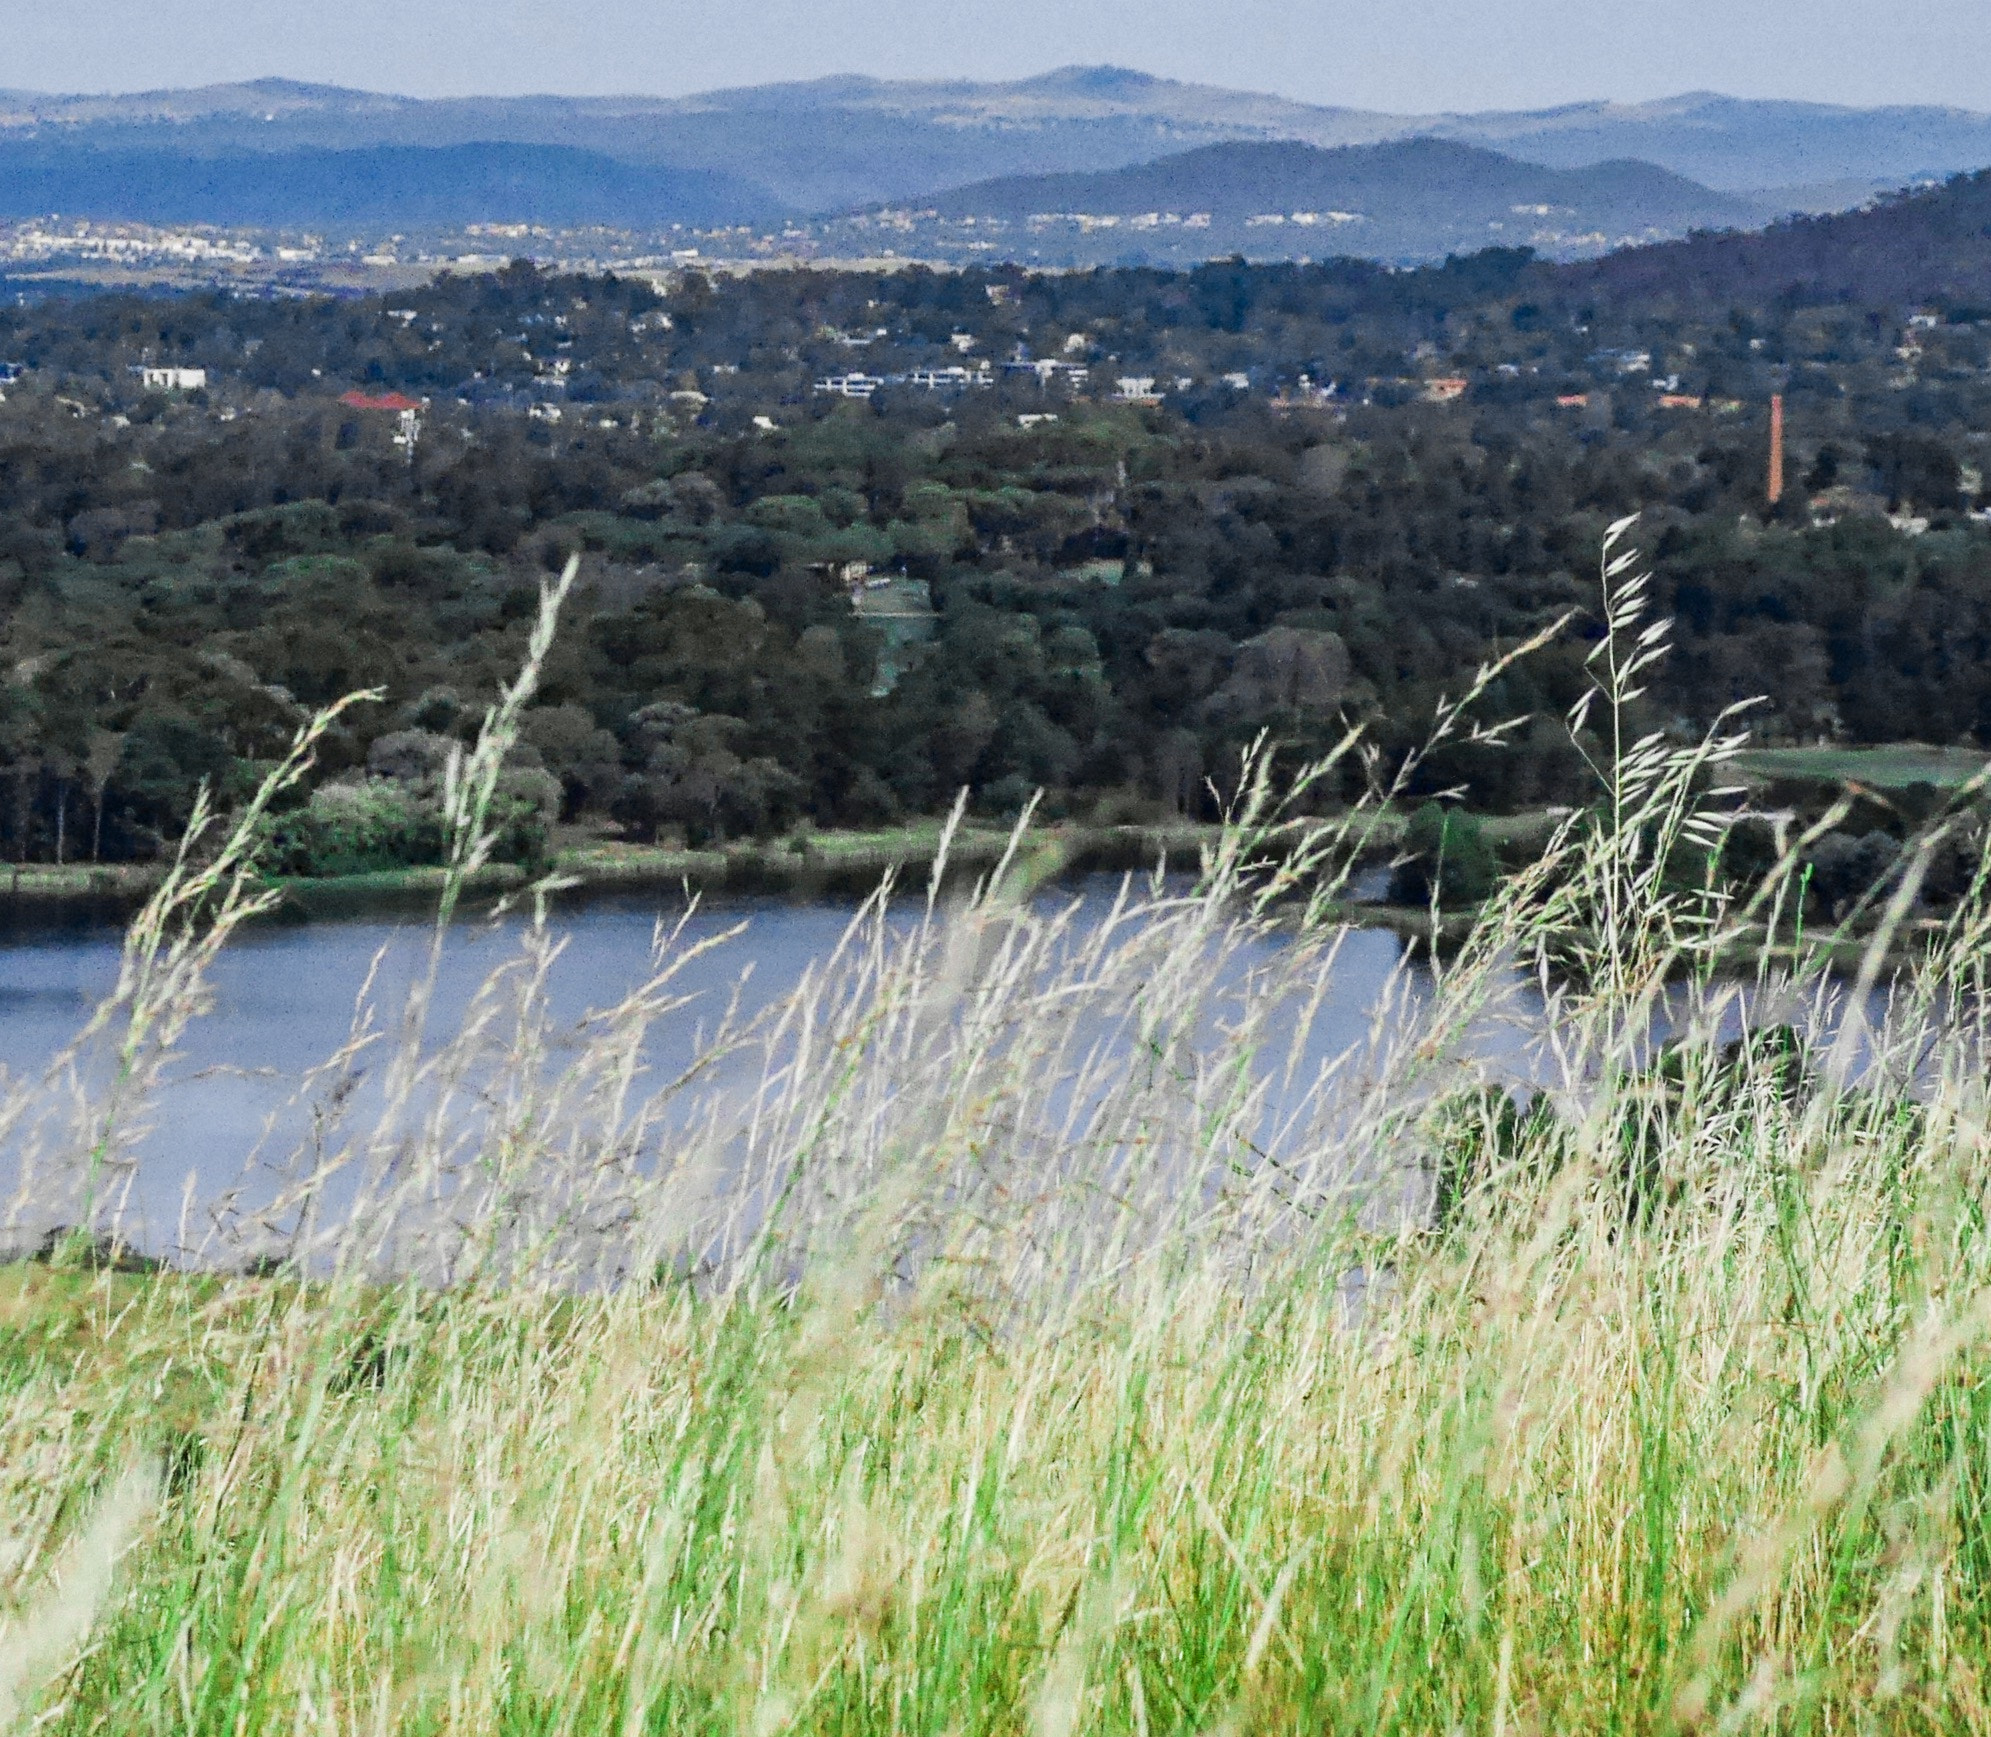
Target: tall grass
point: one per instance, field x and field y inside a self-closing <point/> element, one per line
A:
<point x="1029" y="1323"/>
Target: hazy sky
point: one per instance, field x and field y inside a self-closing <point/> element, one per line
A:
<point x="1406" y="55"/>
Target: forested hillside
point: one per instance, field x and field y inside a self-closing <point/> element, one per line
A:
<point x="1929" y="246"/>
<point x="1275" y="499"/>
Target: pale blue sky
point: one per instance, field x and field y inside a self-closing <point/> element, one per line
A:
<point x="1404" y="55"/>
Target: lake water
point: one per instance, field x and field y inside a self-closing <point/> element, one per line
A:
<point x="284" y="998"/>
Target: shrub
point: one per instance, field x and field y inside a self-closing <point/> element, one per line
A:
<point x="365" y="825"/>
<point x="355" y="826"/>
<point x="1445" y="850"/>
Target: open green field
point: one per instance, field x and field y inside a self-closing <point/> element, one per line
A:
<point x="1882" y="768"/>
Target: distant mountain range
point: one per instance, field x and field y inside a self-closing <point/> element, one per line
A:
<point x="1418" y="199"/>
<point x="371" y="188"/>
<point x="842" y="144"/>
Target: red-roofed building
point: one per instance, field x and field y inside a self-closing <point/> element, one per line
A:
<point x="390" y="401"/>
<point x="406" y="411"/>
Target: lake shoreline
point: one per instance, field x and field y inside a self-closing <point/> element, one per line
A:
<point x="37" y="897"/>
<point x="849" y="864"/>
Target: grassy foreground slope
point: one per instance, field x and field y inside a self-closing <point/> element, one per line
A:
<point x="1558" y="1477"/>
<point x="1023" y="1326"/>
<point x="1613" y="1485"/>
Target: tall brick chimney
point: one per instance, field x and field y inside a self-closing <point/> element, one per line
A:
<point x="1776" y="447"/>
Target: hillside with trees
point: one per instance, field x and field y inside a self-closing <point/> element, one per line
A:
<point x="1930" y="246"/>
<point x="1279" y="499"/>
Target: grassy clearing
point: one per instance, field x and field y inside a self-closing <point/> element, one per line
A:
<point x="1891" y="767"/>
<point x="1022" y="1328"/>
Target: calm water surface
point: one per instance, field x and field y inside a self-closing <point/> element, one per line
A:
<point x="284" y="1000"/>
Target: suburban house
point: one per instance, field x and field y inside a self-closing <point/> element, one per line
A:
<point x="406" y="411"/>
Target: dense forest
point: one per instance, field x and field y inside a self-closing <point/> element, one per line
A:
<point x="1085" y="533"/>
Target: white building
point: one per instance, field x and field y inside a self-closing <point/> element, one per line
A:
<point x="947" y="379"/>
<point x="1049" y="370"/>
<point x="173" y="379"/>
